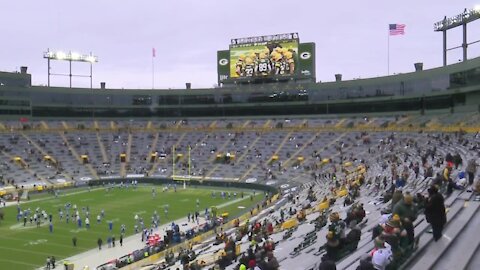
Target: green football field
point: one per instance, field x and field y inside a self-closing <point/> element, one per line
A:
<point x="28" y="247"/>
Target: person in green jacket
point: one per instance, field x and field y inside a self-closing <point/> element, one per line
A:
<point x="407" y="212"/>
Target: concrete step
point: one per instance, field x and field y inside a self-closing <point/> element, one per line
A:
<point x="462" y="246"/>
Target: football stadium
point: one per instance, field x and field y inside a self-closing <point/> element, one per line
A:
<point x="271" y="169"/>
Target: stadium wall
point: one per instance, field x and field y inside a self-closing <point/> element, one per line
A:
<point x="455" y="87"/>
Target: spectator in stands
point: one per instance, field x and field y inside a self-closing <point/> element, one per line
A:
<point x="272" y="263"/>
<point x="395" y="235"/>
<point x="382" y="256"/>
<point x="355" y="213"/>
<point x="457" y="160"/>
<point x="435" y="212"/>
<point x="449" y="158"/>
<point x="477" y="188"/>
<point x="353" y="237"/>
<point x="407" y="212"/>
<point x="471" y="169"/>
<point x="327" y="263"/>
<point x="460" y="181"/>
<point x="446" y="172"/>
<point x="438" y="180"/>
<point x="400" y="182"/>
<point x="420" y="200"/>
<point x="366" y="263"/>
<point x="335" y="235"/>
<point x="396" y="197"/>
<point x="428" y="172"/>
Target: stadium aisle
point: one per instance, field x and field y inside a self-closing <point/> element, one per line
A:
<point x="95" y="257"/>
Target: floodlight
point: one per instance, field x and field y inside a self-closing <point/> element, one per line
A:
<point x="462" y="19"/>
<point x="91" y="59"/>
<point x="74" y="56"/>
<point x="60" y="55"/>
<point x="70" y="57"/>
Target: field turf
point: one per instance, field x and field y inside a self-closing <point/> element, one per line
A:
<point x="28" y="247"/>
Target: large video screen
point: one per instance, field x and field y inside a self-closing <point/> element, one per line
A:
<point x="264" y="59"/>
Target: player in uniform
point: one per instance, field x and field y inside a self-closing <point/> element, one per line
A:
<point x="263" y="65"/>
<point x="239" y="66"/>
<point x="289" y="62"/>
<point x="249" y="68"/>
<point x="279" y="64"/>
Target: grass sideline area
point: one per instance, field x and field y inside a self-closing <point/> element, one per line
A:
<point x="28" y="247"/>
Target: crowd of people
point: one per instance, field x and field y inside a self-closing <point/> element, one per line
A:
<point x="393" y="238"/>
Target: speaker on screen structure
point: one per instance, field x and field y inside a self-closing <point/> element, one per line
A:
<point x="223" y="66"/>
<point x="306" y="60"/>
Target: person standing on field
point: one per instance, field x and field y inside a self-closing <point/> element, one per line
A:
<point x="99" y="243"/>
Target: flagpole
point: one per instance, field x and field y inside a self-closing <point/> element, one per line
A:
<point x="153" y="68"/>
<point x="388" y="52"/>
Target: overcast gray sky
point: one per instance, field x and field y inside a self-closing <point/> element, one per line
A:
<point x="350" y="36"/>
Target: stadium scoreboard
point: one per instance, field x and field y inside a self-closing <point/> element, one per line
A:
<point x="270" y="58"/>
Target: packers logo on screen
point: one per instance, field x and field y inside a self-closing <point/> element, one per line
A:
<point x="223" y="62"/>
<point x="305" y="55"/>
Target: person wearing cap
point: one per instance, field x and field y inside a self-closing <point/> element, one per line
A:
<point x="394" y="235"/>
<point x="435" y="212"/>
<point x="335" y="235"/>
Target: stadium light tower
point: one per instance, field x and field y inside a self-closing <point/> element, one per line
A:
<point x="467" y="16"/>
<point x="70" y="57"/>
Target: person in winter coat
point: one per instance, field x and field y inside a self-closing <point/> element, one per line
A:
<point x="435" y="212"/>
<point x="471" y="169"/>
<point x="397" y="196"/>
<point x="327" y="263"/>
<point x="407" y="212"/>
<point x="365" y="263"/>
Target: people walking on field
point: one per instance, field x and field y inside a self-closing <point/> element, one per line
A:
<point x="99" y="243"/>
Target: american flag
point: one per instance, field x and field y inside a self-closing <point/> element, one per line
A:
<point x="396" y="29"/>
